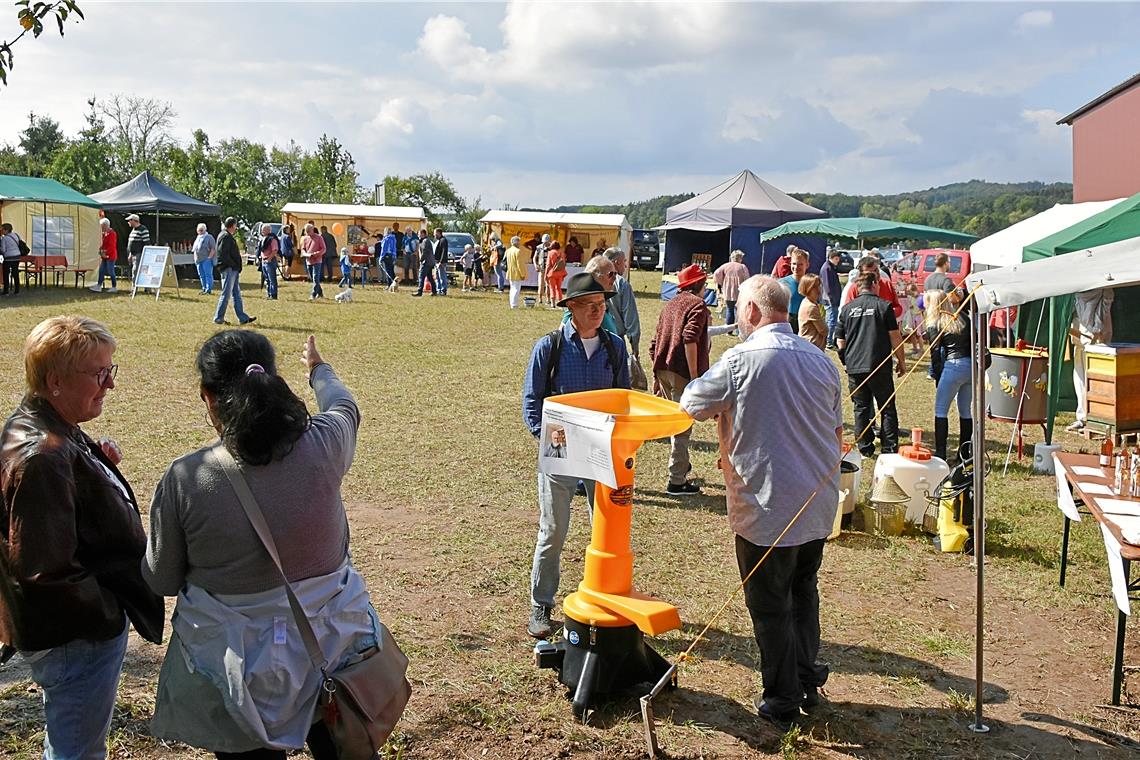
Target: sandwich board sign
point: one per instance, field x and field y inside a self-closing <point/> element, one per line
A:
<point x="154" y="264"/>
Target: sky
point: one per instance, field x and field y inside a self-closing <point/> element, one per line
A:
<point x="545" y="104"/>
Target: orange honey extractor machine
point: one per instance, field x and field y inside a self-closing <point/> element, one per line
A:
<point x="603" y="649"/>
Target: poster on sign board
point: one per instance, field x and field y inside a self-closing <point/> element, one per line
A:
<point x="576" y="442"/>
<point x="151" y="268"/>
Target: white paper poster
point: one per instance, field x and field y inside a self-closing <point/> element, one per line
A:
<point x="1116" y="570"/>
<point x="576" y="442"/>
<point x="151" y="268"/>
<point x="1119" y="506"/>
<point x="1064" y="496"/>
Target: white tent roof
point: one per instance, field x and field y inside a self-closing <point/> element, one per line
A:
<point x="550" y="217"/>
<point x="411" y="213"/>
<point x="1106" y="266"/>
<point x="1003" y="248"/>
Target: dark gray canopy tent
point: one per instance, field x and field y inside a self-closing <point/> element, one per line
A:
<point x="153" y="201"/>
<point x="732" y="215"/>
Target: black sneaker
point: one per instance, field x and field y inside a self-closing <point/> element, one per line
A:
<point x="251" y="319"/>
<point x="540" y="625"/>
<point x="683" y="488"/>
<point x="782" y="721"/>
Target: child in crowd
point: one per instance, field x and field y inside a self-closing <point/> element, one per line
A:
<point x="477" y="268"/>
<point x="912" y="319"/>
<point x="345" y="269"/>
<point x="466" y="261"/>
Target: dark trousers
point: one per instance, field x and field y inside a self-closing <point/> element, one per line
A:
<point x="427" y="274"/>
<point x="320" y="745"/>
<point x="783" y="602"/>
<point x="12" y="275"/>
<point x="878" y="390"/>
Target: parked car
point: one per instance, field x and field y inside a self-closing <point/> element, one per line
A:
<point x="455" y="243"/>
<point x="918" y="265"/>
<point x="253" y="237"/>
<point x="846" y="262"/>
<point x="646" y="250"/>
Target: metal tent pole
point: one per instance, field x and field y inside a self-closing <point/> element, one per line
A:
<point x="978" y="449"/>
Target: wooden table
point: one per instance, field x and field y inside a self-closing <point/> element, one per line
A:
<point x="1083" y="493"/>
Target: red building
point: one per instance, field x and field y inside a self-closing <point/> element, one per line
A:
<point x="1106" y="144"/>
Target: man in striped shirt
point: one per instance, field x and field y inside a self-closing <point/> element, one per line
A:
<point x="139" y="237"/>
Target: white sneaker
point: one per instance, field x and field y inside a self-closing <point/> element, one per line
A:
<point x="112" y="290"/>
<point x="96" y="288"/>
<point x="1076" y="426"/>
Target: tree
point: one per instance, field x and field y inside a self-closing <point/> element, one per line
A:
<point x="330" y="172"/>
<point x="433" y="192"/>
<point x="31" y="18"/>
<point x="85" y="163"/>
<point x="40" y="141"/>
<point x="190" y="170"/>
<point x="241" y="181"/>
<point x="139" y="129"/>
<point x="286" y="175"/>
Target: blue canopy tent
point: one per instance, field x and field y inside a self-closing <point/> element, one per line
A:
<point x="732" y="215"/>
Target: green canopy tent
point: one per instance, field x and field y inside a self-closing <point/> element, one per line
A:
<point x="52" y="218"/>
<point x="1117" y="223"/>
<point x="860" y="228"/>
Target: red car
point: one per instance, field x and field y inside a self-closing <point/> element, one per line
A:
<point x="918" y="265"/>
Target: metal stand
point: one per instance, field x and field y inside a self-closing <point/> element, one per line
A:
<point x="979" y="335"/>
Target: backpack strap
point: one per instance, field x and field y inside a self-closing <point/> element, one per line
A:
<point x="555" y="355"/>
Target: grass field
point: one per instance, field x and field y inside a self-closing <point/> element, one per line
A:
<point x="441" y="501"/>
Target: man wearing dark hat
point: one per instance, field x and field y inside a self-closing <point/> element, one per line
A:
<point x="578" y="356"/>
<point x="680" y="353"/>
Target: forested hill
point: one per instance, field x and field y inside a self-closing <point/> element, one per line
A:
<point x="977" y="207"/>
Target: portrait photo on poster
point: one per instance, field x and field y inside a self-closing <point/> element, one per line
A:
<point x="555" y="437"/>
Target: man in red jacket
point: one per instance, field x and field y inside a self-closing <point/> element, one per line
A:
<point x="680" y="352"/>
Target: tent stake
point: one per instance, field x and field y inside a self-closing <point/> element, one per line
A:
<point x="978" y="447"/>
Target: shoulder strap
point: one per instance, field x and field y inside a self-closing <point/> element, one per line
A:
<point x="257" y="519"/>
<point x="611" y="353"/>
<point x="555" y="355"/>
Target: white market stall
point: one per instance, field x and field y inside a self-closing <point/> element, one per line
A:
<point x="1101" y="251"/>
<point x="591" y="230"/>
<point x="352" y="225"/>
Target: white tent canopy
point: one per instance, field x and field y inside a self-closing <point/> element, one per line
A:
<point x="1004" y="248"/>
<point x="1106" y="266"/>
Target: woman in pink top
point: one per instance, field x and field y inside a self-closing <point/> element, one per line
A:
<point x="313" y="251"/>
<point x="728" y="277"/>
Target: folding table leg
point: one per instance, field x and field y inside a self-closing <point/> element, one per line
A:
<point x="1064" y="550"/>
<point x="1118" y="658"/>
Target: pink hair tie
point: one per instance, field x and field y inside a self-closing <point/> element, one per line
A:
<point x="255" y="369"/>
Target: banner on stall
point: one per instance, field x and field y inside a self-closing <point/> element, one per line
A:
<point x="576" y="442"/>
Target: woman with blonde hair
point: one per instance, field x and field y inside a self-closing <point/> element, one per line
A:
<point x="948" y="330"/>
<point x="813" y="326"/>
<point x="70" y="563"/>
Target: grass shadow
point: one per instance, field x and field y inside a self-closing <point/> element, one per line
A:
<point x="701" y="502"/>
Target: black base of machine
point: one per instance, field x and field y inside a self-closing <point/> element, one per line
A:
<point x="595" y="662"/>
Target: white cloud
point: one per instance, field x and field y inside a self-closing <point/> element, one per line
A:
<point x="1035" y="19"/>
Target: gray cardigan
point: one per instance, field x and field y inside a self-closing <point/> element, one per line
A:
<point x="200" y="535"/>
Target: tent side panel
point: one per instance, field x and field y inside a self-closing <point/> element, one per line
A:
<point x="772" y="250"/>
<point x="680" y="245"/>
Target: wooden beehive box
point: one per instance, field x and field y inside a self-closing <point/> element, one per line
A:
<point x="1113" y="384"/>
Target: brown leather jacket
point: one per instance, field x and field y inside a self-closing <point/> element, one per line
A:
<point x="71" y="542"/>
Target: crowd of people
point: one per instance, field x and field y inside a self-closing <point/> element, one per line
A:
<point x="74" y="577"/>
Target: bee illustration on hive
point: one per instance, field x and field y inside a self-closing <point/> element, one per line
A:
<point x="1040" y="383"/>
<point x="1008" y="383"/>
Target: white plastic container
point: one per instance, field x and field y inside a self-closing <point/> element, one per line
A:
<point x="1043" y="458"/>
<point x="917" y="471"/>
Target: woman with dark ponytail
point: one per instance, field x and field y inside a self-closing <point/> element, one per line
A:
<point x="236" y="679"/>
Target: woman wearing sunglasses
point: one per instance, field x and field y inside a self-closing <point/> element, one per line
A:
<point x="73" y="542"/>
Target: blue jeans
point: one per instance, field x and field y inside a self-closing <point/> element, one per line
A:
<point x="389" y="264"/>
<point x="441" y="277"/>
<point x="831" y="316"/>
<point x="954" y="382"/>
<point x="314" y="271"/>
<point x="501" y="277"/>
<point x="206" y="275"/>
<point x="554" y="495"/>
<point x="107" y="269"/>
<point x="79" y="682"/>
<point x="729" y="312"/>
<point x="230" y="288"/>
<point x="269" y="271"/>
